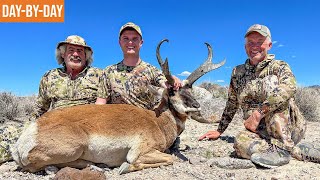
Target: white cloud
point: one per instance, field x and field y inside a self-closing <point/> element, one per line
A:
<point x="274" y="42"/>
<point x="293" y="56"/>
<point x="185" y="73"/>
<point x="220" y="81"/>
<point x="280" y="45"/>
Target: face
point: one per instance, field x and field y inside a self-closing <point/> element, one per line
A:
<point x="130" y="42"/>
<point x="74" y="57"/>
<point x="257" y="47"/>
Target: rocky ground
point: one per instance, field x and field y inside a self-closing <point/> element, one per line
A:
<point x="207" y="160"/>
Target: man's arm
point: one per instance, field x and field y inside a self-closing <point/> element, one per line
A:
<point x="228" y="113"/>
<point x="43" y="101"/>
<point x="284" y="87"/>
<point x="103" y="94"/>
<point x="282" y="92"/>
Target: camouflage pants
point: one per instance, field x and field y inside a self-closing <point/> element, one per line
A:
<point x="284" y="127"/>
<point x="9" y="134"/>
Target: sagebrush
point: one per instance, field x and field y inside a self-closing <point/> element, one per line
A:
<point x="12" y="107"/>
<point x="308" y="101"/>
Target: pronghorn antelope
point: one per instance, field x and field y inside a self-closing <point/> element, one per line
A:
<point x="114" y="134"/>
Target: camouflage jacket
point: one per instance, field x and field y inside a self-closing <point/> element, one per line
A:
<point x="58" y="90"/>
<point x="245" y="89"/>
<point x="121" y="84"/>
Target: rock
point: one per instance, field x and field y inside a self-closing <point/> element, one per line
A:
<point x="68" y="173"/>
<point x="231" y="163"/>
<point x="201" y="93"/>
<point x="211" y="108"/>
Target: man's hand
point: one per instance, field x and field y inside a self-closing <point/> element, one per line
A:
<point x="176" y="84"/>
<point x="213" y="135"/>
<point x="253" y="121"/>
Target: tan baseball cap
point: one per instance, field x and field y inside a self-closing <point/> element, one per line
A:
<point x="130" y="25"/>
<point x="75" y="40"/>
<point x="261" y="29"/>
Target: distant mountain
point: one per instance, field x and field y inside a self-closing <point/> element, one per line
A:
<point x="314" y="86"/>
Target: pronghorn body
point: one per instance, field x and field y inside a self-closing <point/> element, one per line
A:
<point x="113" y="134"/>
<point x="109" y="134"/>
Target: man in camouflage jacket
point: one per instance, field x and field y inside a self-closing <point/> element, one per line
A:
<point x="126" y="82"/>
<point x="75" y="83"/>
<point x="264" y="89"/>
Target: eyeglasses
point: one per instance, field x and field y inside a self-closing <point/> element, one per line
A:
<point x="133" y="40"/>
<point x="251" y="44"/>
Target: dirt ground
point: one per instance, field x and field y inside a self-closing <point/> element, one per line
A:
<point x="207" y="160"/>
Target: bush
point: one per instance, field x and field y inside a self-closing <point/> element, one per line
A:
<point x="308" y="101"/>
<point x="27" y="104"/>
<point x="9" y="106"/>
<point x="216" y="90"/>
<point x="15" y="108"/>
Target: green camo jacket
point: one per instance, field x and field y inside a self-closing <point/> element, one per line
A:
<point x="245" y="94"/>
<point x="58" y="90"/>
<point x="121" y="84"/>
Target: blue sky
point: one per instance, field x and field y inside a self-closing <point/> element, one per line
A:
<point x="27" y="49"/>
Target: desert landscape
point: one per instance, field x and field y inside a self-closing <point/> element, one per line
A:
<point x="206" y="159"/>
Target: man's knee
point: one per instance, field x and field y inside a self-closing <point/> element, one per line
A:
<point x="246" y="143"/>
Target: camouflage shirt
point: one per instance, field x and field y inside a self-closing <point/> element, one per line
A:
<point x="245" y="90"/>
<point x="58" y="90"/>
<point x="121" y="84"/>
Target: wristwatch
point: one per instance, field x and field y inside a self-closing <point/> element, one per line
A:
<point x="260" y="111"/>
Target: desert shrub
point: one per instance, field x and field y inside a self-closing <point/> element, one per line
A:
<point x="9" y="106"/>
<point x="308" y="101"/>
<point x="216" y="90"/>
<point x="15" y="108"/>
<point x="27" y="104"/>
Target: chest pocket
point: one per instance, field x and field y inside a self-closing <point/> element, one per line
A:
<point x="87" y="87"/>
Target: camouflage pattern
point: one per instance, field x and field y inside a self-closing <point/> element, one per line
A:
<point x="261" y="29"/>
<point x="75" y="40"/>
<point x="58" y="90"/>
<point x="246" y="143"/>
<point x="131" y="25"/>
<point x="270" y="86"/>
<point x="121" y="84"/>
<point x="9" y="134"/>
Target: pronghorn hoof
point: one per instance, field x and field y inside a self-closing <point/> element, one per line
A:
<point x="124" y="168"/>
<point x="51" y="170"/>
<point x="96" y="168"/>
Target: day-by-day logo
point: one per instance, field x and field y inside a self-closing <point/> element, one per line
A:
<point x="32" y="11"/>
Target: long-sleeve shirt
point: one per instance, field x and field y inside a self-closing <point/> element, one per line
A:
<point x="58" y="90"/>
<point x="246" y="89"/>
<point x="122" y="84"/>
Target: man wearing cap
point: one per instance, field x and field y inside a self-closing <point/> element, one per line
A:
<point x="75" y="83"/>
<point x="264" y="89"/>
<point x="126" y="82"/>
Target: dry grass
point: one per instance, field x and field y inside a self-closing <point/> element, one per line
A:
<point x="13" y="107"/>
<point x="308" y="101"/>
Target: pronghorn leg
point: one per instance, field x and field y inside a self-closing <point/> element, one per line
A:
<point x="149" y="160"/>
